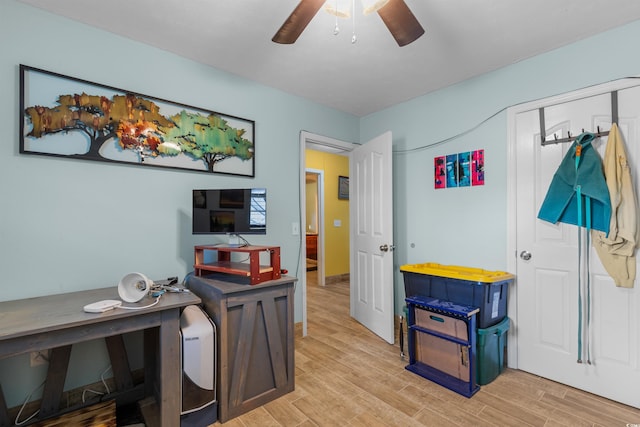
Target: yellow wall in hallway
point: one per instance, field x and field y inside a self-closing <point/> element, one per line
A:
<point x="336" y="253"/>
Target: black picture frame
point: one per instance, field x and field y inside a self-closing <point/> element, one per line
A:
<point x="72" y="118"/>
<point x="343" y="187"/>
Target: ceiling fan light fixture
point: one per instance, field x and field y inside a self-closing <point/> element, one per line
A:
<point x="370" y="6"/>
<point x="396" y="15"/>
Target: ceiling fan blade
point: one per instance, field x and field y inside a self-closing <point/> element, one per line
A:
<point x="401" y="22"/>
<point x="297" y="21"/>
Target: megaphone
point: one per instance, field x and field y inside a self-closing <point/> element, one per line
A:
<point x="133" y="287"/>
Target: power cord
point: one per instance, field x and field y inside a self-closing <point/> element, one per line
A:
<point x="246" y="242"/>
<point x="157" y="296"/>
<point x="26" y="400"/>
<point x="104" y="382"/>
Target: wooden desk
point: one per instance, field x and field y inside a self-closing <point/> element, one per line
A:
<point x="58" y="321"/>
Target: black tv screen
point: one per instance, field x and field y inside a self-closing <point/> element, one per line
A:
<point x="230" y="211"/>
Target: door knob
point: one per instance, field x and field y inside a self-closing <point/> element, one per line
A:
<point x="387" y="248"/>
<point x="525" y="255"/>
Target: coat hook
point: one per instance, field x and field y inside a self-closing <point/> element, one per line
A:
<point x="582" y="130"/>
<point x="598" y="128"/>
<point x="569" y="134"/>
<point x="555" y="136"/>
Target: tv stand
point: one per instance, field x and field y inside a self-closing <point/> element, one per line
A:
<point x="253" y="270"/>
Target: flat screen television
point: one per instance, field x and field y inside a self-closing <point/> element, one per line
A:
<point x="230" y="211"/>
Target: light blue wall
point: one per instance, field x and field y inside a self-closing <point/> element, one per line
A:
<point x="468" y="226"/>
<point x="68" y="225"/>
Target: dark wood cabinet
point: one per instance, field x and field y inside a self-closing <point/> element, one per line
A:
<point x="255" y="339"/>
<point x="312" y="246"/>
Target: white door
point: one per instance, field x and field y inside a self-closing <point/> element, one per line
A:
<point x="371" y="212"/>
<point x="547" y="283"/>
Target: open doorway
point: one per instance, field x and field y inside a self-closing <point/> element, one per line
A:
<point x="335" y="147"/>
<point x="314" y="220"/>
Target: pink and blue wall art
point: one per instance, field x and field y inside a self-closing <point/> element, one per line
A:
<point x="459" y="170"/>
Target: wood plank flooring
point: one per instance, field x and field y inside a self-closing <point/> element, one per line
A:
<point x="347" y="376"/>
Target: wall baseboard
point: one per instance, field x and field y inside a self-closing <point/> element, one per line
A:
<point x="337" y="278"/>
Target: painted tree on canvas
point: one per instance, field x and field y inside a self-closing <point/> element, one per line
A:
<point x="97" y="117"/>
<point x="137" y="125"/>
<point x="207" y="138"/>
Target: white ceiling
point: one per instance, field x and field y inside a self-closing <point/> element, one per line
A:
<point x="463" y="38"/>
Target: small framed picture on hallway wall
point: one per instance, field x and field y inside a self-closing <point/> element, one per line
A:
<point x="343" y="187"/>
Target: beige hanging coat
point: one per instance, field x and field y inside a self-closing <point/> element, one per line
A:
<point x="617" y="250"/>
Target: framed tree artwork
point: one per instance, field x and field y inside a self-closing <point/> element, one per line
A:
<point x="72" y="118"/>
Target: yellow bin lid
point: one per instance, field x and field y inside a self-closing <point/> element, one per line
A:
<point x="456" y="272"/>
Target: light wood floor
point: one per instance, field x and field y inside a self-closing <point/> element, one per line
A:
<point x="347" y="376"/>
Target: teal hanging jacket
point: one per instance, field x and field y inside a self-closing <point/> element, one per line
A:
<point x="578" y="193"/>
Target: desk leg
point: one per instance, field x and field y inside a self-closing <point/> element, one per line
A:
<point x="119" y="362"/>
<point x="170" y="369"/>
<point x="151" y="373"/>
<point x="56" y="374"/>
<point x="4" y="413"/>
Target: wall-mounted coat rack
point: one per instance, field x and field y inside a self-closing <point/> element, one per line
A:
<point x="569" y="138"/>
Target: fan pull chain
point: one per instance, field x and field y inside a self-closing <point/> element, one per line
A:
<point x="336" y="29"/>
<point x="354" y="38"/>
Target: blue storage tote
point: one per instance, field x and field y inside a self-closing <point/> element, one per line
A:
<point x="487" y="290"/>
<point x="490" y="350"/>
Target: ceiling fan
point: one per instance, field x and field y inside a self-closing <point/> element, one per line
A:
<point x="395" y="14"/>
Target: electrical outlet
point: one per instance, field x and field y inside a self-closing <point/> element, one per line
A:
<point x="38" y="358"/>
<point x="295" y="228"/>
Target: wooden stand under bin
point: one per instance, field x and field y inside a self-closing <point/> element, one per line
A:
<point x="442" y="343"/>
<point x="253" y="270"/>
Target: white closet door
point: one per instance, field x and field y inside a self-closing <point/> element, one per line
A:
<point x="547" y="294"/>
